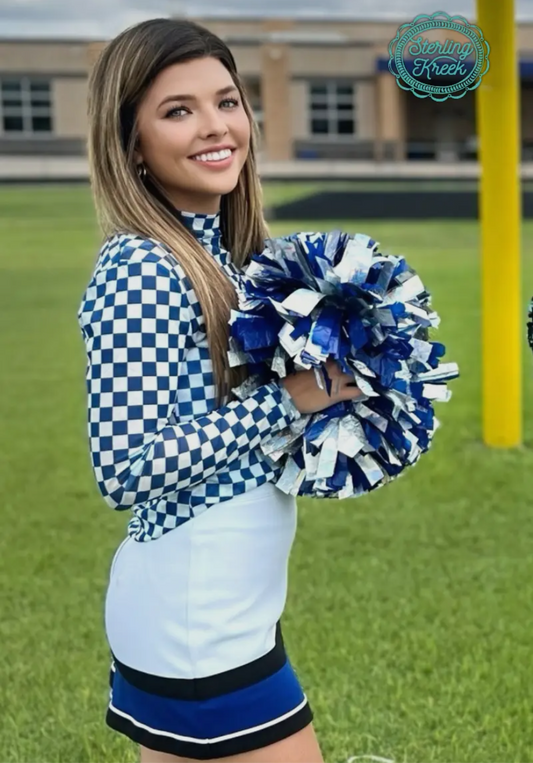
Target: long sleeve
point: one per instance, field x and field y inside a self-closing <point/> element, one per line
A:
<point x="136" y="320"/>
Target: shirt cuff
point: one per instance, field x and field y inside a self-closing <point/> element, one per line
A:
<point x="284" y="401"/>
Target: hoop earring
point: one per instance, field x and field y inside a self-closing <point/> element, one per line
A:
<point x="141" y="172"/>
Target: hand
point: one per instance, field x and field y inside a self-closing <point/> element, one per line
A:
<point x="307" y="395"/>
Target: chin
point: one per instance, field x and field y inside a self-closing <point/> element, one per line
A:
<point x="218" y="186"/>
<point x="202" y="185"/>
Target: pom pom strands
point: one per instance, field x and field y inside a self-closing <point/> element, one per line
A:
<point x="313" y="296"/>
<point x="530" y="325"/>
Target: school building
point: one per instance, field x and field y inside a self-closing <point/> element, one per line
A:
<point x="319" y="90"/>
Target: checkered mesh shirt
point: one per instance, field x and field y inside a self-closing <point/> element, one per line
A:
<point x="158" y="445"/>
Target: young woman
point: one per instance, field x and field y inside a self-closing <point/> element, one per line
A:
<point x="198" y="587"/>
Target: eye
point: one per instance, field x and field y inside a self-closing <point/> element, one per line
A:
<point x="173" y="112"/>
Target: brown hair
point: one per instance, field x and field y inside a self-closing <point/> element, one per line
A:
<point x="118" y="81"/>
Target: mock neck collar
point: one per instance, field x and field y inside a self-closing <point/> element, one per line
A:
<point x="206" y="228"/>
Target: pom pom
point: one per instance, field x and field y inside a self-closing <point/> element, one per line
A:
<point x="530" y="325"/>
<point x="312" y="296"/>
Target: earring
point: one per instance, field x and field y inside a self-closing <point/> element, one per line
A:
<point x="141" y="172"/>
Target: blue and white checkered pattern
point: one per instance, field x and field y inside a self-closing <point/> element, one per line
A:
<point x="158" y="446"/>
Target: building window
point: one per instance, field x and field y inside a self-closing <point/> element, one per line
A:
<point x="25" y="106"/>
<point x="331" y="109"/>
<point x="253" y="92"/>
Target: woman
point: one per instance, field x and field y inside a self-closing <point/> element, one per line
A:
<point x="197" y="589"/>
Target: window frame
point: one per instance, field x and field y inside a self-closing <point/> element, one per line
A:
<point x="327" y="108"/>
<point x="27" y="110"/>
<point x="253" y="89"/>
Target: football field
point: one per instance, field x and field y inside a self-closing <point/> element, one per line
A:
<point x="409" y="612"/>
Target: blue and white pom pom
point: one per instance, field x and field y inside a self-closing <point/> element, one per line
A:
<point x="529" y="324"/>
<point x="312" y="296"/>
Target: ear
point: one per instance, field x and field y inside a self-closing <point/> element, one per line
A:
<point x="137" y="154"/>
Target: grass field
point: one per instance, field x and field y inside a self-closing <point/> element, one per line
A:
<point x="409" y="613"/>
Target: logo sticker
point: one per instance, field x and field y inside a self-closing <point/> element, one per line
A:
<point x="431" y="67"/>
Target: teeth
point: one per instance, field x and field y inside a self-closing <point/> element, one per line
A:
<point x="216" y="156"/>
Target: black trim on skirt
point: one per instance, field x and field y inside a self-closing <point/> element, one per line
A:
<point x="213" y="750"/>
<point x="210" y="686"/>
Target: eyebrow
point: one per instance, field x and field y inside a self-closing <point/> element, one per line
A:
<point x="223" y="91"/>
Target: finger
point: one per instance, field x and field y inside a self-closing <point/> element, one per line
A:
<point x="346" y="379"/>
<point x="351" y="393"/>
<point x="333" y="368"/>
<point x="344" y="388"/>
<point x="329" y="369"/>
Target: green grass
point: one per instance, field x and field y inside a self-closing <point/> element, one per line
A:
<point x="409" y="612"/>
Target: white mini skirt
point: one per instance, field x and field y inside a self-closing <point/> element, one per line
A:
<point x="193" y="623"/>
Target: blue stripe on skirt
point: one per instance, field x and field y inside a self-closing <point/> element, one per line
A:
<point x="239" y="721"/>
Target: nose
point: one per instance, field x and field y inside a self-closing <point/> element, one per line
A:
<point x="212" y="122"/>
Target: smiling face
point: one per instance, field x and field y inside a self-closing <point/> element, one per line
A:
<point x="191" y="110"/>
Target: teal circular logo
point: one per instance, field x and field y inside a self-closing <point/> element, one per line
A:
<point x="436" y="69"/>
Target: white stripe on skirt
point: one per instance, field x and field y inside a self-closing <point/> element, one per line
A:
<point x="236" y="734"/>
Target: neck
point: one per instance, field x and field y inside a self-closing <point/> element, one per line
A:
<point x="201" y="204"/>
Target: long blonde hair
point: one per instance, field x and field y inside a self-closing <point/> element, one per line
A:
<point x="118" y="81"/>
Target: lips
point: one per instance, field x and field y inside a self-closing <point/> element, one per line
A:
<point x="213" y="150"/>
<point x="215" y="165"/>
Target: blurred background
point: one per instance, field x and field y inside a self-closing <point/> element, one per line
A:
<point x="409" y="612"/>
<point x="327" y="107"/>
